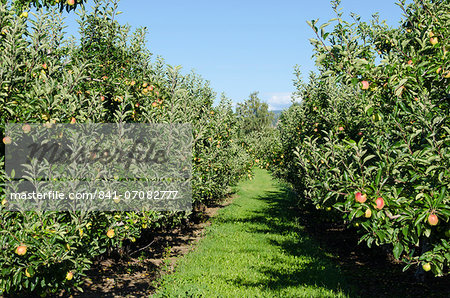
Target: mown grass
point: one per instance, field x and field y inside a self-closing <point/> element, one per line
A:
<point x="256" y="248"/>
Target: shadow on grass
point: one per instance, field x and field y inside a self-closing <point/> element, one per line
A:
<point x="362" y="271"/>
<point x="300" y="260"/>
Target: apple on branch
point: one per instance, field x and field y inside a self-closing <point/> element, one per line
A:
<point x="433" y="219"/>
<point x="379" y="203"/>
<point x="360" y="198"/>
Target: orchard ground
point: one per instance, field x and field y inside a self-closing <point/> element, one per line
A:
<point x="261" y="245"/>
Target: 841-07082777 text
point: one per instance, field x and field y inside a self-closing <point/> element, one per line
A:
<point x="98" y="194"/>
<point x="140" y="195"/>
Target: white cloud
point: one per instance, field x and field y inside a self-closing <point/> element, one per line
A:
<point x="278" y="100"/>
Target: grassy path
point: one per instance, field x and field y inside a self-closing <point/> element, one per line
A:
<point x="255" y="248"/>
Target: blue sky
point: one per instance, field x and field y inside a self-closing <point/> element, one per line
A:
<point x="241" y="46"/>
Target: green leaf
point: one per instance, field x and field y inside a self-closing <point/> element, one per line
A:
<point x="398" y="249"/>
<point x="405" y="231"/>
<point x="359" y="213"/>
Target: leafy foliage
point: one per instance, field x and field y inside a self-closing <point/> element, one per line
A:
<point x="254" y="115"/>
<point x="108" y="76"/>
<point x="375" y="121"/>
<point x="256" y="129"/>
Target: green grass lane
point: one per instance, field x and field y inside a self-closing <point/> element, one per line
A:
<point x="256" y="248"/>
